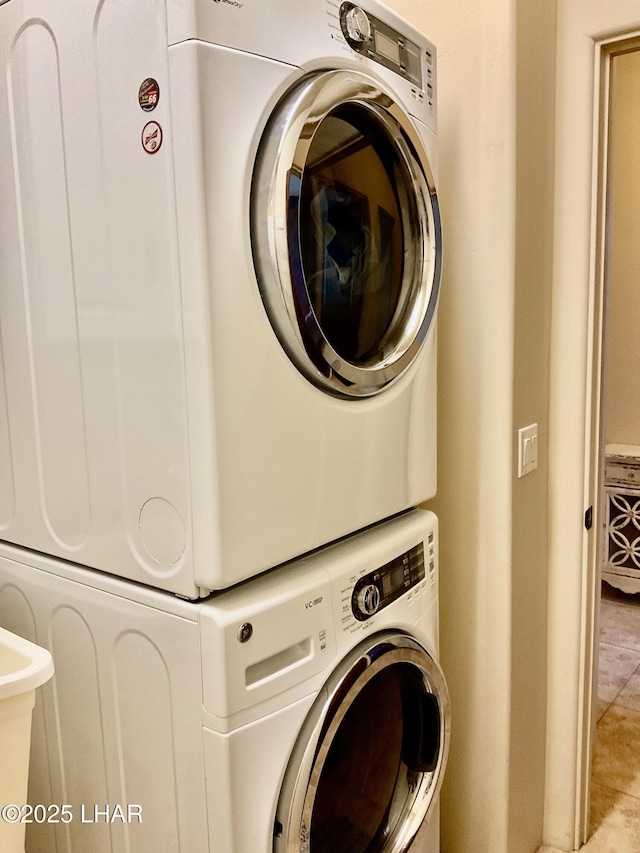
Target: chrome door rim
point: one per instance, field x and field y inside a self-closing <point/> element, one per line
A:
<point x="305" y="766"/>
<point x="281" y="160"/>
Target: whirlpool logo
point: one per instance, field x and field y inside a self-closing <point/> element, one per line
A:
<point x="230" y="3"/>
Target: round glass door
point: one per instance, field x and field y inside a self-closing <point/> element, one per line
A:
<point x="346" y="233"/>
<point x="368" y="764"/>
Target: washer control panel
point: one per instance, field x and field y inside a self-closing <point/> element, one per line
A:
<point x="373" y="38"/>
<point x="379" y="588"/>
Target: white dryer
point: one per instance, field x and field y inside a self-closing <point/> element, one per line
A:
<point x="303" y="711"/>
<point x="220" y="256"/>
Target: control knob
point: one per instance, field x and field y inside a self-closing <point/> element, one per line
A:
<point x="368" y="599"/>
<point x="357" y="25"/>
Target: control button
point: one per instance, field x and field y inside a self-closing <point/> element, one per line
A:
<point x="368" y="599"/>
<point x="357" y="25"/>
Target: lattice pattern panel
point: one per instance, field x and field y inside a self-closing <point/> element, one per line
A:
<point x="623" y="531"/>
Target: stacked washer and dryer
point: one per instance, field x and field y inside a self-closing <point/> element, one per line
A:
<point x="220" y="257"/>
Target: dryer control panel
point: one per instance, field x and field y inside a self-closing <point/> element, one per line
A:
<point x="373" y="38"/>
<point x="379" y="588"/>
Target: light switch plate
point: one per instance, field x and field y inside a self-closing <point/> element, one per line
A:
<point x="527" y="449"/>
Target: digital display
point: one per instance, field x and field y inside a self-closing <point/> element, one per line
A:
<point x="387" y="47"/>
<point x="392" y="580"/>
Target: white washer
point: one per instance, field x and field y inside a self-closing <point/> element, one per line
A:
<point x="274" y="716"/>
<point x="220" y="257"/>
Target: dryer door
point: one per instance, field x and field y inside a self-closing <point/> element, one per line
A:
<point x="368" y="764"/>
<point x="346" y="233"/>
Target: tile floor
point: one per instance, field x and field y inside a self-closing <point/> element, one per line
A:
<point x="615" y="777"/>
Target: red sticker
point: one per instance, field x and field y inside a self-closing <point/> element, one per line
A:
<point x="151" y="137"/>
<point x="149" y="94"/>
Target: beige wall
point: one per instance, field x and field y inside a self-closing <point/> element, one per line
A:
<point x="496" y="95"/>
<point x="623" y="299"/>
<point x="535" y="129"/>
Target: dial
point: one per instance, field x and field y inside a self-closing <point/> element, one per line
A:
<point x="357" y="25"/>
<point x="368" y="599"/>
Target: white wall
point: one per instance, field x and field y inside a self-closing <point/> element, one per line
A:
<point x="495" y="175"/>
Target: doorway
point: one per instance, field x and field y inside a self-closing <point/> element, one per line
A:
<point x="615" y="801"/>
<point x="587" y="35"/>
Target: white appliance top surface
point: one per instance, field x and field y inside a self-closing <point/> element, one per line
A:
<point x="630" y="450"/>
<point x="353" y="556"/>
<point x="280" y="29"/>
<point x="302" y="33"/>
<point x="265" y="643"/>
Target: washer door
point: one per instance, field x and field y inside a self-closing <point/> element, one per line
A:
<point x="346" y="233"/>
<point x="368" y="764"/>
